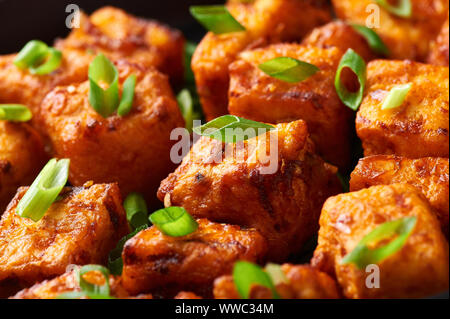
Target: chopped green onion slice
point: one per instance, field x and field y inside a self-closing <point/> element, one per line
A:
<point x="174" y="221"/>
<point x="246" y="275"/>
<point x="53" y="62"/>
<point x="230" y="129"/>
<point x="136" y="208"/>
<point x="362" y="255"/>
<point x="115" y="262"/>
<point x="44" y="190"/>
<point x="396" y="96"/>
<point x="188" y="53"/>
<point x="105" y="102"/>
<point x="353" y="61"/>
<point x="33" y="53"/>
<point x="276" y="274"/>
<point x="186" y="106"/>
<point x="127" y="96"/>
<point x="15" y="113"/>
<point x="92" y="289"/>
<point x="288" y="69"/>
<point x="216" y="19"/>
<point x="38" y="58"/>
<point x="373" y="39"/>
<point x="403" y="9"/>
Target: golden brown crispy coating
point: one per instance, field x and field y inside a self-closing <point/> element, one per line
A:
<point x="260" y="97"/>
<point x="419" y="269"/>
<point x="283" y="204"/>
<point x="51" y="289"/>
<point x="439" y="48"/>
<point x="419" y="127"/>
<point x="266" y="21"/>
<point x="304" y="282"/>
<point x="21" y="158"/>
<point x="407" y="38"/>
<point x="21" y="87"/>
<point x="133" y="150"/>
<point x="81" y="228"/>
<point x="119" y="35"/>
<point x="340" y="35"/>
<point x="154" y="261"/>
<point x="429" y="175"/>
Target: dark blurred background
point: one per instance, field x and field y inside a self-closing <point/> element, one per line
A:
<point x="24" y="20"/>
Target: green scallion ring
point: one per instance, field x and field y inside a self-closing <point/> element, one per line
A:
<point x="92" y="289"/>
<point x="174" y="221"/>
<point x="396" y="96"/>
<point x="15" y="113"/>
<point x="44" y="190"/>
<point x="186" y="105"/>
<point x="403" y="9"/>
<point x="126" y="102"/>
<point x="136" y="209"/>
<point x="355" y="63"/>
<point x="51" y="64"/>
<point x="288" y="69"/>
<point x="33" y="53"/>
<point x="373" y="39"/>
<point x="276" y="274"/>
<point x="246" y="275"/>
<point x="216" y="19"/>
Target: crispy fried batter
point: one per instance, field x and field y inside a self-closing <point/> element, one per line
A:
<point x="266" y="21"/>
<point x="419" y="127"/>
<point x="429" y="175"/>
<point x="283" y="204"/>
<point x="51" y="289"/>
<point x="118" y="35"/>
<point x="407" y="38"/>
<point x="81" y="228"/>
<point x="133" y="150"/>
<point x="439" y="48"/>
<point x="260" y="97"/>
<point x="340" y="35"/>
<point x="153" y="261"/>
<point x="21" y="158"/>
<point x="304" y="282"/>
<point x="419" y="269"/>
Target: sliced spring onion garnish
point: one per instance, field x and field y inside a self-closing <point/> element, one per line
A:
<point x="127" y="96"/>
<point x="355" y="63"/>
<point x="38" y="58"/>
<point x="89" y="290"/>
<point x="246" y="275"/>
<point x="44" y="190"/>
<point x="186" y="106"/>
<point x="276" y="274"/>
<point x="396" y="96"/>
<point x="231" y="129"/>
<point x="373" y="39"/>
<point x="136" y="208"/>
<point x="115" y="262"/>
<point x="188" y="53"/>
<point x="15" y="113"/>
<point x="216" y="19"/>
<point x="362" y="255"/>
<point x="403" y="9"/>
<point x="105" y="102"/>
<point x="288" y="69"/>
<point x="174" y="221"/>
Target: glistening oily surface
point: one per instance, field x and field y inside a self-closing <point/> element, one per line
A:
<point x="342" y="193"/>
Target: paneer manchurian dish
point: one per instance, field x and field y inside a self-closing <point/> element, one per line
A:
<point x="355" y="94"/>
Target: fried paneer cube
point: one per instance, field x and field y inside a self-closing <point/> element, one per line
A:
<point x="418" y="269"/>
<point x="266" y="22"/>
<point x="154" y="261"/>
<point x="119" y="35"/>
<point x="260" y="97"/>
<point x="303" y="282"/>
<point x="406" y="38"/>
<point x="281" y="195"/>
<point x="439" y="48"/>
<point x="429" y="175"/>
<point x="417" y="128"/>
<point x="80" y="228"/>
<point x="21" y="87"/>
<point x="51" y="289"/>
<point x="340" y="35"/>
<point x="133" y="150"/>
<point x="21" y="158"/>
